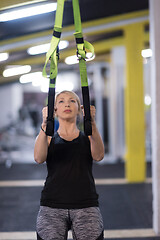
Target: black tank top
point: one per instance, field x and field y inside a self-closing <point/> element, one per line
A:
<point x="70" y="183"/>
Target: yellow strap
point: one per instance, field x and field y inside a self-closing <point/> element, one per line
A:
<point x="89" y="47"/>
<point x="51" y="53"/>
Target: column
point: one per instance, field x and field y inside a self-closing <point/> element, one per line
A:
<point x="98" y="84"/>
<point x="135" y="167"/>
<point x="116" y="100"/>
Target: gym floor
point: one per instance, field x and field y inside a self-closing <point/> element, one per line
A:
<point x="126" y="208"/>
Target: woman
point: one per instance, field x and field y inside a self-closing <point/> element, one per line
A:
<point x="69" y="199"/>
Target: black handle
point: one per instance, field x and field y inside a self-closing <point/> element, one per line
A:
<point x="87" y="127"/>
<point x="87" y="117"/>
<point x="50" y="118"/>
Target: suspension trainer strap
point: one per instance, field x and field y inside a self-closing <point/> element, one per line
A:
<point x="53" y="56"/>
<point x="51" y="97"/>
<point x="81" y="54"/>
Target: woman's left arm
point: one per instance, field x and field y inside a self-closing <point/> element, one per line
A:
<point x="97" y="146"/>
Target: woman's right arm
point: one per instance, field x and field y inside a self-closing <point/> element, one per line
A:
<point x="42" y="141"/>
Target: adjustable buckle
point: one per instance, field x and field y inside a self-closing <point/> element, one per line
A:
<point x="79" y="56"/>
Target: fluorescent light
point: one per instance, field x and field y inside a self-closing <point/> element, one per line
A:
<point x="43" y="48"/>
<point x="36" y="79"/>
<point x="71" y="60"/>
<point x="3" y="56"/>
<point x="30" y="77"/>
<point x="74" y="59"/>
<point x="13" y="71"/>
<point x="63" y="44"/>
<point x="27" y="12"/>
<point x="38" y="49"/>
<point x="146" y="53"/>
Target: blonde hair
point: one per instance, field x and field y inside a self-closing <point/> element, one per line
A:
<point x="73" y="94"/>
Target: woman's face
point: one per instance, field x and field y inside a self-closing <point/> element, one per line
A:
<point x="66" y="106"/>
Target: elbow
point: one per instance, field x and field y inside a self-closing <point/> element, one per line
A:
<point x="38" y="159"/>
<point x="99" y="157"/>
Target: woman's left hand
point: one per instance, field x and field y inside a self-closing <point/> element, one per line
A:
<point x="92" y="111"/>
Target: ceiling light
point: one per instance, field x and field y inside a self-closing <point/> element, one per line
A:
<point x="38" y="49"/>
<point x="43" y="48"/>
<point x="3" y="56"/>
<point x="27" y="12"/>
<point x="38" y="80"/>
<point x="74" y="59"/>
<point x="71" y="60"/>
<point x="63" y="44"/>
<point x="146" y="53"/>
<point x="31" y="77"/>
<point x="13" y="71"/>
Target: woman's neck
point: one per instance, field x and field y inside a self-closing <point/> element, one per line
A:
<point x="67" y="128"/>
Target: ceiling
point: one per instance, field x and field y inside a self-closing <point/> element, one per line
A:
<point x="102" y="20"/>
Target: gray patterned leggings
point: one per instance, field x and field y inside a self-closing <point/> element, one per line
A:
<point x="54" y="224"/>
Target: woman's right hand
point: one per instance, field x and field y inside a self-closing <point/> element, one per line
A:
<point x="42" y="141"/>
<point x="44" y="116"/>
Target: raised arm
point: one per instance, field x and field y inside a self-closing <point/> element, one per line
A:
<point x="97" y="146"/>
<point x="42" y="141"/>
